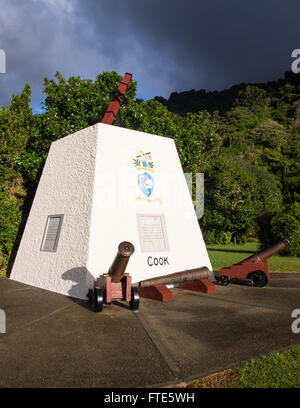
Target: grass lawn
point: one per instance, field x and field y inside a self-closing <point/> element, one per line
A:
<point x="278" y="370"/>
<point x="226" y="255"/>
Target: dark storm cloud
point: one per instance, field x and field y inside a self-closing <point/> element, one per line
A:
<point x="167" y="44"/>
<point x="207" y="44"/>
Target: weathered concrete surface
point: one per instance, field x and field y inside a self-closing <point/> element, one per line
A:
<point x="54" y="341"/>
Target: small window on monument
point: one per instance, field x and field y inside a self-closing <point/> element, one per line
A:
<point x="52" y="232"/>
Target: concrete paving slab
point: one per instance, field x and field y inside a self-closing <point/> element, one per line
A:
<point x="55" y="341"/>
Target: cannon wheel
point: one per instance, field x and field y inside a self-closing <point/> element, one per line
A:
<point x="135" y="299"/>
<point x="224" y="280"/>
<point x="259" y="278"/>
<point x="98" y="299"/>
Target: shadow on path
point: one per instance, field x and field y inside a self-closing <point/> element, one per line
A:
<point x="84" y="279"/>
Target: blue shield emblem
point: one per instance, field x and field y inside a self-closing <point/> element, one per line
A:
<point x="146" y="183"/>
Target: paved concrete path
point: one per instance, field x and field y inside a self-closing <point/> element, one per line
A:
<point x="54" y="341"/>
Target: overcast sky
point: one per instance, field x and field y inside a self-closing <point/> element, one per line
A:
<point x="168" y="45"/>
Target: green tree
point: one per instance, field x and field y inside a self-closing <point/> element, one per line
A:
<point x="282" y="225"/>
<point x="195" y="134"/>
<point x="76" y="103"/>
<point x="15" y="123"/>
<point x="270" y="134"/>
<point x="229" y="209"/>
<point x="70" y="105"/>
<point x="10" y="218"/>
<point x="255" y="100"/>
<point x="15" y="128"/>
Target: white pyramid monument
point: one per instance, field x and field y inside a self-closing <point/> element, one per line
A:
<point x="101" y="186"/>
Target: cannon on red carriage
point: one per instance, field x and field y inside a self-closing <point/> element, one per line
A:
<point x="254" y="269"/>
<point x="115" y="284"/>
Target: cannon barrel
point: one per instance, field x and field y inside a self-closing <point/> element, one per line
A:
<point x="118" y="267"/>
<point x="177" y="277"/>
<point x="267" y="253"/>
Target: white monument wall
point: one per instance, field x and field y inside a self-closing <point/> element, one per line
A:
<point x="66" y="187"/>
<point x="111" y="184"/>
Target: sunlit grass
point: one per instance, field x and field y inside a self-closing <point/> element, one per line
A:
<point x="227" y="255"/>
<point x="274" y="370"/>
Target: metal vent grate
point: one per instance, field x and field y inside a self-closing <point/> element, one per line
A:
<point x="52" y="232"/>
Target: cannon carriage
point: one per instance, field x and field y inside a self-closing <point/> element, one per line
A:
<point x="254" y="269"/>
<point x="115" y="284"/>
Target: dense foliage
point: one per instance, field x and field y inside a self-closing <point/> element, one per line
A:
<point x="257" y="166"/>
<point x="15" y="123"/>
<point x="245" y="140"/>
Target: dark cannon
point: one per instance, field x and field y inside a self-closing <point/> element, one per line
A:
<point x="116" y="284"/>
<point x="267" y="253"/>
<point x="177" y="277"/>
<point x="253" y="269"/>
<point x="196" y="279"/>
<point x="118" y="267"/>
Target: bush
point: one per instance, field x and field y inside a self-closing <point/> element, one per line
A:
<point x="253" y="239"/>
<point x="217" y="237"/>
<point x="10" y="218"/>
<point x="209" y="237"/>
<point x="284" y="225"/>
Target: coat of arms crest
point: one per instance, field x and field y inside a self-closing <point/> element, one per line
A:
<point x="143" y="161"/>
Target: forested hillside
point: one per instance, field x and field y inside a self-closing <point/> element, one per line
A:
<point x="252" y="180"/>
<point x="245" y="140"/>
<point x="222" y="101"/>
